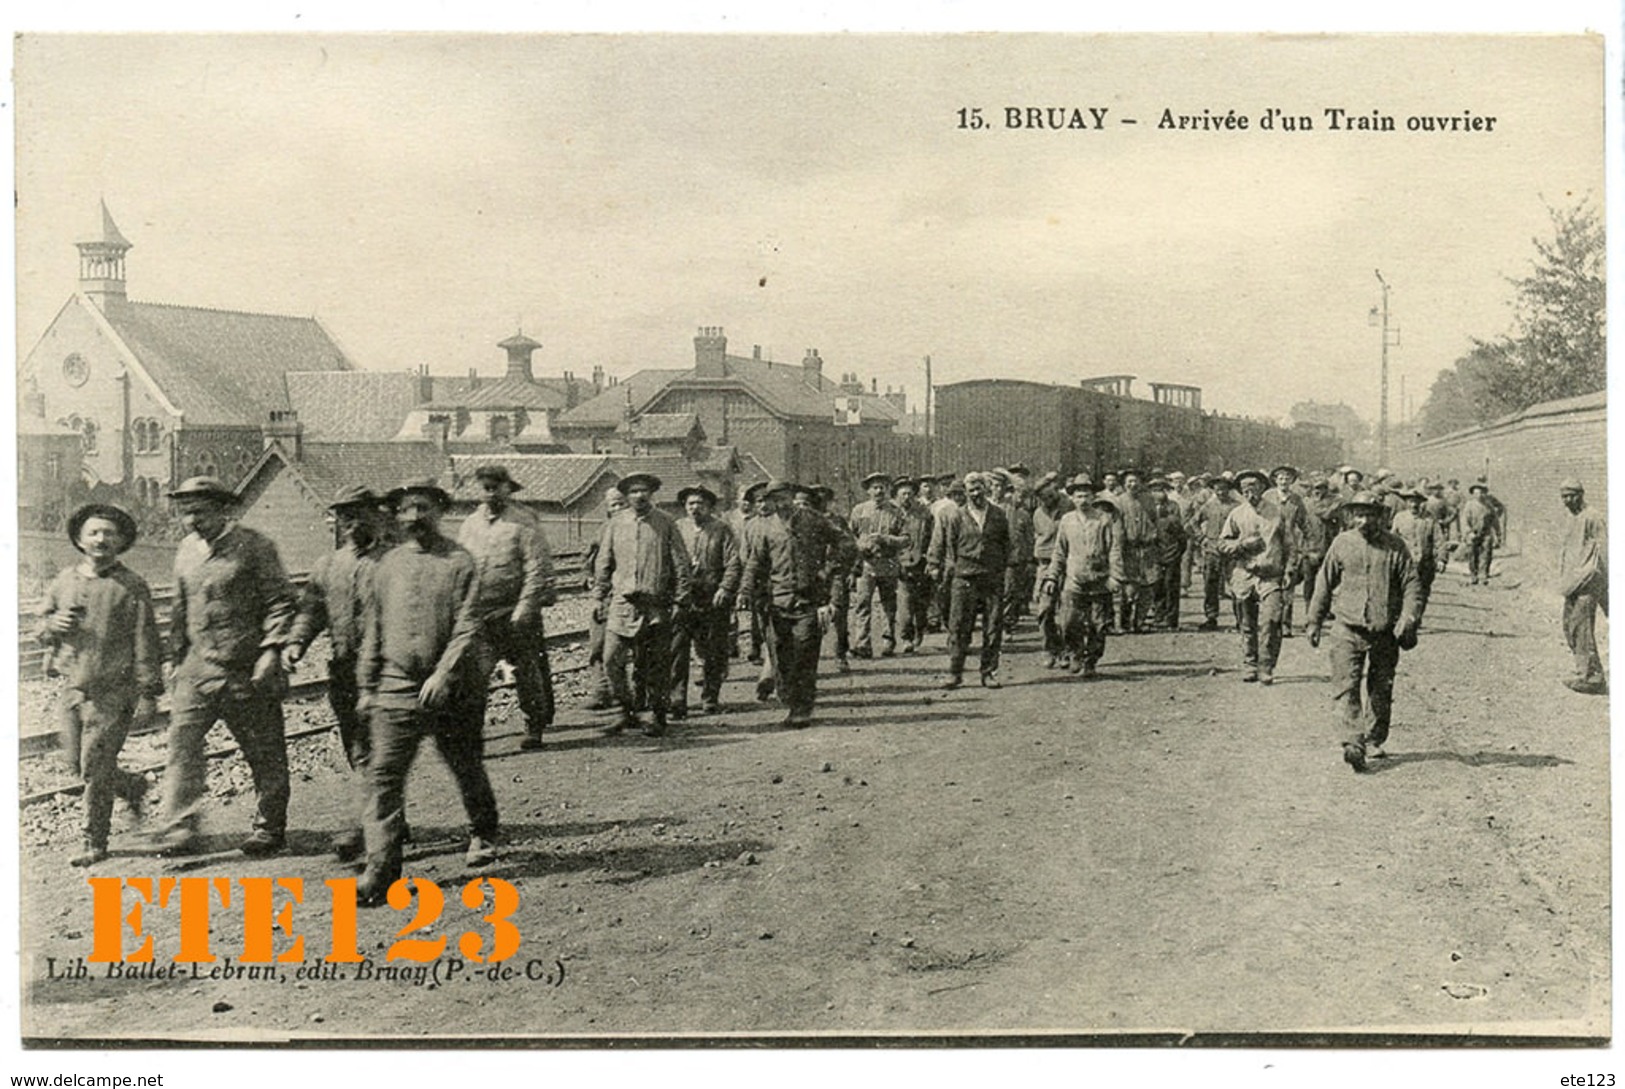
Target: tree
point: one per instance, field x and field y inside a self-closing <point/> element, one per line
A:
<point x="1557" y="346"/>
<point x="1560" y="336"/>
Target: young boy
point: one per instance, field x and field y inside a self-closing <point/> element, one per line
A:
<point x="97" y="617"/>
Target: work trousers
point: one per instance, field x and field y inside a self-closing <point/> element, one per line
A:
<point x="1134" y="603"/>
<point x="354" y="733"/>
<point x="704" y="632"/>
<point x="649" y="654"/>
<point x="913" y="606"/>
<point x="1480" y="551"/>
<point x="982" y="594"/>
<point x="1311" y="571"/>
<point x="1166" y="593"/>
<point x="746" y="625"/>
<point x="1018" y="590"/>
<point x="862" y="609"/>
<point x="524" y="648"/>
<point x="458" y="730"/>
<point x="941" y="599"/>
<point x="1362" y="652"/>
<point x="1580" y="629"/>
<point x="1083" y="622"/>
<point x="596" y="673"/>
<point x="795" y="644"/>
<point x="95" y="726"/>
<point x="1261" y="613"/>
<point x="840" y="600"/>
<point x="255" y="722"/>
<point x="1212" y="585"/>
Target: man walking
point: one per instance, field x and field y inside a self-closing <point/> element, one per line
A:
<point x="515" y="570"/>
<point x="333" y="601"/>
<point x="1369" y="584"/>
<point x="913" y="586"/>
<point x="1583" y="579"/>
<point x="713" y="552"/>
<point x="1480" y="531"/>
<point x="1259" y="544"/>
<point x="421" y="617"/>
<point x="972" y="547"/>
<point x="1085" y="570"/>
<point x="1209" y="525"/>
<point x="1425" y="539"/>
<point x="877" y="523"/>
<point x="230" y="619"/>
<point x="643" y="573"/>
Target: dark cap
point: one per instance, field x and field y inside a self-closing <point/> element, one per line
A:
<point x="353" y="495"/>
<point x="117" y="515"/>
<point x="204" y="487"/>
<point x="496" y="474"/>
<point x="423" y="486"/>
<point x="696" y="489"/>
<point x="1080" y="483"/>
<point x="877" y="478"/>
<point x="1285" y="469"/>
<point x="632" y="480"/>
<point x="1255" y="474"/>
<point x="1365" y="499"/>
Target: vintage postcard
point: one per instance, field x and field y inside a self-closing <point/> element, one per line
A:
<point x="691" y="540"/>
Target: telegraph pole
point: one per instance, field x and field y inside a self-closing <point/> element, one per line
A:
<point x="930" y="442"/>
<point x="1382" y="426"/>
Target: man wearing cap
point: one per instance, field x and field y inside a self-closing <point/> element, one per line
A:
<point x="1583" y="580"/>
<point x="1480" y="531"/>
<point x="643" y="573"/>
<point x="842" y="562"/>
<point x="602" y="699"/>
<point x="231" y="616"/>
<point x="745" y="626"/>
<point x="1321" y="523"/>
<point x="877" y="523"/>
<point x="1169" y="524"/>
<point x="913" y="587"/>
<point x="1425" y="539"/>
<point x="1013" y="500"/>
<point x="1085" y="571"/>
<point x="789" y="567"/>
<point x="420" y="677"/>
<point x="1050" y="505"/>
<point x="97" y="621"/>
<point x="1260" y="545"/>
<point x="332" y="600"/>
<point x="972" y="548"/>
<point x="1368" y="583"/>
<point x="1137" y="525"/>
<point x="951" y="498"/>
<point x="713" y="552"/>
<point x="1208" y="525"/>
<point x="1286" y="497"/>
<point x="515" y="582"/>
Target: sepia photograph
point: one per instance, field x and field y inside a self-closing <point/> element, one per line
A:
<point x="812" y="540"/>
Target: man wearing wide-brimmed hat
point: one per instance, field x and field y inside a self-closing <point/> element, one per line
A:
<point x="703" y="627"/>
<point x="1368" y="583"/>
<point x="1085" y="571"/>
<point x="515" y="569"/>
<point x="877" y="525"/>
<point x="97" y="621"/>
<point x="1582" y="576"/>
<point x="643" y="574"/>
<point x="231" y="616"/>
<point x="913" y="586"/>
<point x="1262" y="551"/>
<point x="1207" y="523"/>
<point x="601" y="699"/>
<point x="1286" y="497"/>
<point x="1171" y="535"/>
<point x="744" y="626"/>
<point x="795" y="555"/>
<point x="972" y="549"/>
<point x="420" y="678"/>
<point x="1480" y="522"/>
<point x="1423" y="536"/>
<point x="332" y="601"/>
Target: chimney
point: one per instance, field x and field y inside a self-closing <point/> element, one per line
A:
<point x="710" y="353"/>
<point x="519" y="348"/>
<point x="285" y="429"/>
<point x="756" y="352"/>
<point x="874" y="386"/>
<point x="437" y="430"/>
<point x="425" y="385"/>
<point x="571" y="394"/>
<point x="473" y="378"/>
<point x="812" y="368"/>
<point x="597" y="379"/>
<point x="897" y="397"/>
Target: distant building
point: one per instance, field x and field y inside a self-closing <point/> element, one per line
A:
<point x="156" y="392"/>
<point x="794" y="421"/>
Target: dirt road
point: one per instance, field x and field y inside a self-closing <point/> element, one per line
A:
<point x="1162" y="849"/>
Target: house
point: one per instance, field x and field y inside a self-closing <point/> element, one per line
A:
<point x="795" y="421"/>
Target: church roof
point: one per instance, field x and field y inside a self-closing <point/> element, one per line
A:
<point x="223" y="367"/>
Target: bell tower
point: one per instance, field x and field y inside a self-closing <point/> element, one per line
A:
<point x="101" y="263"/>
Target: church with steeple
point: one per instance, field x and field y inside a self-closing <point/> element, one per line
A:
<point x="159" y="392"/>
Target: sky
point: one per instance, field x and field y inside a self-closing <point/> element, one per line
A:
<point x="425" y="195"/>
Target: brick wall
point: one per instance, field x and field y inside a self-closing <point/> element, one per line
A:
<point x="1524" y="458"/>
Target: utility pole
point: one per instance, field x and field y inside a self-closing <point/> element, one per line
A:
<point x="930" y="443"/>
<point x="1382" y="426"/>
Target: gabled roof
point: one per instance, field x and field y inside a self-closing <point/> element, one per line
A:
<point x="330" y="466"/>
<point x="543" y="478"/>
<point x="608" y="409"/>
<point x="500" y="393"/>
<point x="665" y="426"/>
<point x="223" y="367"/>
<point x="357" y="405"/>
<point x="718" y="459"/>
